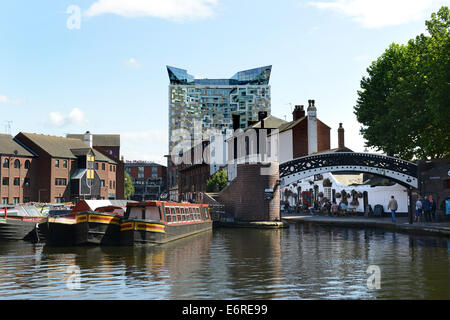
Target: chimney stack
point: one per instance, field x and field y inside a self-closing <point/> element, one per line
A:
<point x="88" y="139"/>
<point x="341" y="143"/>
<point x="312" y="127"/>
<point x="298" y="113"/>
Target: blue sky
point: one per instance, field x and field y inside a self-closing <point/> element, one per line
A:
<point x="109" y="75"/>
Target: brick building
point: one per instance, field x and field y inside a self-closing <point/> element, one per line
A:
<point x="193" y="173"/>
<point x="17" y="172"/>
<point x="68" y="169"/>
<point x="304" y="135"/>
<point x="108" y="145"/>
<point x="149" y="179"/>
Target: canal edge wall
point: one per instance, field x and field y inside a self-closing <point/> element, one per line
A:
<point x="389" y="226"/>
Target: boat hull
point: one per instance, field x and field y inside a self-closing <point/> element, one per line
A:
<point x="97" y="229"/>
<point x="60" y="231"/>
<point x="135" y="232"/>
<point x="16" y="229"/>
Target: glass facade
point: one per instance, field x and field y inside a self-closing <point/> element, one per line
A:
<point x="214" y="102"/>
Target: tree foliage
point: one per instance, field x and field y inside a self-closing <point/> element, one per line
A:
<point x="129" y="188"/>
<point x="404" y="102"/>
<point x="217" y="182"/>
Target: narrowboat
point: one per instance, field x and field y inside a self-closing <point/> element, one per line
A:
<point x="156" y="222"/>
<point x="97" y="228"/>
<point x="20" y="223"/>
<point x="60" y="230"/>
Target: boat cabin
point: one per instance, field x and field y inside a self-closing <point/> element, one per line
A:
<point x="168" y="212"/>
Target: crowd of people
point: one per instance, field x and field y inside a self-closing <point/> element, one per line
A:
<point x="425" y="207"/>
<point x="324" y="206"/>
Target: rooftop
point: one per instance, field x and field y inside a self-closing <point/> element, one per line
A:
<point x="9" y="146"/>
<point x="61" y="147"/>
<point x="256" y="76"/>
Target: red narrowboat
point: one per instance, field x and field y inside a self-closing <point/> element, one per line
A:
<point x="160" y="222"/>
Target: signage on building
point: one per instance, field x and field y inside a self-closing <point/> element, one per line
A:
<point x="268" y="194"/>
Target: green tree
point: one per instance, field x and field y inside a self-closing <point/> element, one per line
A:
<point x="129" y="188"/>
<point x="217" y="182"/>
<point x="404" y="102"/>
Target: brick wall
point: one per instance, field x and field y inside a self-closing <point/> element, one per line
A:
<point x="244" y="197"/>
<point x="21" y="191"/>
<point x="323" y="136"/>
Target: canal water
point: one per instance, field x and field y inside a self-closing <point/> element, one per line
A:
<point x="300" y="262"/>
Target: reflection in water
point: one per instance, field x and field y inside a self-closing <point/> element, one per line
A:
<point x="301" y="262"/>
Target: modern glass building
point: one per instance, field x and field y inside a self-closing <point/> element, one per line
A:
<point x="216" y="103"/>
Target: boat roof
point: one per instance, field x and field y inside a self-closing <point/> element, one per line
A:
<point x="153" y="203"/>
<point x="22" y="211"/>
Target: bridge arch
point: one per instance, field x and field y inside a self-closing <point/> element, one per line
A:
<point x="402" y="171"/>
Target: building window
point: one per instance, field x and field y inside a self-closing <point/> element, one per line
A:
<point x="102" y="183"/>
<point x="96" y="166"/>
<point x="17" y="181"/>
<point x="110" y="167"/>
<point x="26" y="182"/>
<point x="114" y="168"/>
<point x="27" y="164"/>
<point x="5" y="163"/>
<point x="110" y="184"/>
<point x="57" y="163"/>
<point x="17" y="164"/>
<point x="140" y="172"/>
<point x="103" y="166"/>
<point x="16" y="200"/>
<point x="5" y="201"/>
<point x="60" y="181"/>
<point x="154" y="172"/>
<point x="64" y="163"/>
<point x="59" y="199"/>
<point x="5" y="181"/>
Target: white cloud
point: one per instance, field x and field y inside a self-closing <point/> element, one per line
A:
<point x="382" y="13"/>
<point x="75" y="117"/>
<point x="166" y="9"/>
<point x="7" y="100"/>
<point x="132" y="63"/>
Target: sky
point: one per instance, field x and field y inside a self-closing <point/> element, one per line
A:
<point x="100" y="65"/>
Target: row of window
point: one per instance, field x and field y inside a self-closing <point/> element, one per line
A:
<point x="182" y="214"/>
<point x="112" y="184"/>
<point x="16" y="181"/>
<point x="65" y="163"/>
<point x="16" y="163"/>
<point x="15" y="200"/>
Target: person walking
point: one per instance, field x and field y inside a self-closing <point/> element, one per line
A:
<point x="433" y="208"/>
<point x="426" y="206"/>
<point x="393" y="206"/>
<point x="418" y="210"/>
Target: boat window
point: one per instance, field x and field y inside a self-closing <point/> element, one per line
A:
<point x="168" y="216"/>
<point x="182" y="214"/>
<point x="143" y="214"/>
<point x="178" y="214"/>
<point x="152" y="213"/>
